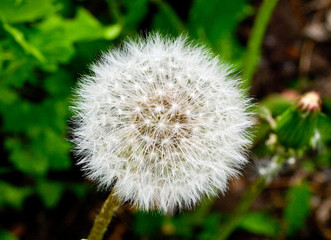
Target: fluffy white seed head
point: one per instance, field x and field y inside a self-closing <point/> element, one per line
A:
<point x="161" y="122"/>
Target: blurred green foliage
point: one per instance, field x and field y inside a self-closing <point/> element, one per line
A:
<point x="46" y="45"/>
<point x="38" y="42"/>
<point x="298" y="207"/>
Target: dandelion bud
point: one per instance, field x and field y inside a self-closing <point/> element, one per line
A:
<point x="296" y="127"/>
<point x="310" y="101"/>
<point x="161" y="122"/>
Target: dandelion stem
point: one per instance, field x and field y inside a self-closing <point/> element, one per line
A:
<point x="244" y="205"/>
<point x="103" y="219"/>
<point x="252" y="54"/>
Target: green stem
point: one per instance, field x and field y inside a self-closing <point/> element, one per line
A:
<point x="252" y="55"/>
<point x="103" y="219"/>
<point x="244" y="205"/>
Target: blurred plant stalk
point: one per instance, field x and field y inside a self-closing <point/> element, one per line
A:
<point x="253" y="52"/>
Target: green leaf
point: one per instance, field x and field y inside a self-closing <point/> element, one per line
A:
<point x="59" y="84"/>
<point x="324" y="126"/>
<point x="13" y="113"/>
<point x="13" y="196"/>
<point x="298" y="207"/>
<point x="276" y="103"/>
<point x="7" y="96"/>
<point x="25" y="159"/>
<point x="50" y="193"/>
<point x="112" y="31"/>
<point x="85" y="27"/>
<point x="14" y="11"/>
<point x="21" y="40"/>
<point x="260" y="223"/>
<point x="50" y="37"/>
<point x="17" y="67"/>
<point x="54" y="147"/>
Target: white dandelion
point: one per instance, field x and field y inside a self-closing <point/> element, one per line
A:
<point x="161" y="123"/>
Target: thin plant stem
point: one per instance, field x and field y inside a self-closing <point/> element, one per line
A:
<point x="104" y="217"/>
<point x="245" y="203"/>
<point x="252" y="55"/>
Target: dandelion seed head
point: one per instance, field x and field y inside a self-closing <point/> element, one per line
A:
<point x="162" y="122"/>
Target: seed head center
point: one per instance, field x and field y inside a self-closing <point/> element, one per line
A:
<point x="163" y="119"/>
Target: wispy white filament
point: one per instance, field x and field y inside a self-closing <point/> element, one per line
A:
<point x="161" y="121"/>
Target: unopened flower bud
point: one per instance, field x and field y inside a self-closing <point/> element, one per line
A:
<point x="296" y="127"/>
<point x="310" y="101"/>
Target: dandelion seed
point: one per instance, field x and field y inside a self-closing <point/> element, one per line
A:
<point x="172" y="127"/>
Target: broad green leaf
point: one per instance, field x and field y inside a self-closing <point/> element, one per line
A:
<point x="324" y="126"/>
<point x="51" y="113"/>
<point x="14" y="11"/>
<point x="45" y="150"/>
<point x="54" y="147"/>
<point x="50" y="192"/>
<point x="17" y="72"/>
<point x="18" y="66"/>
<point x="45" y="145"/>
<point x="85" y="27"/>
<point x="260" y="223"/>
<point x="25" y="159"/>
<point x="12" y="195"/>
<point x="298" y="207"/>
<point x="51" y="40"/>
<point x="13" y="114"/>
<point x="59" y="84"/>
<point x="7" y="96"/>
<point x="21" y="40"/>
<point x="276" y="103"/>
<point x="112" y="31"/>
<point x="35" y="116"/>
